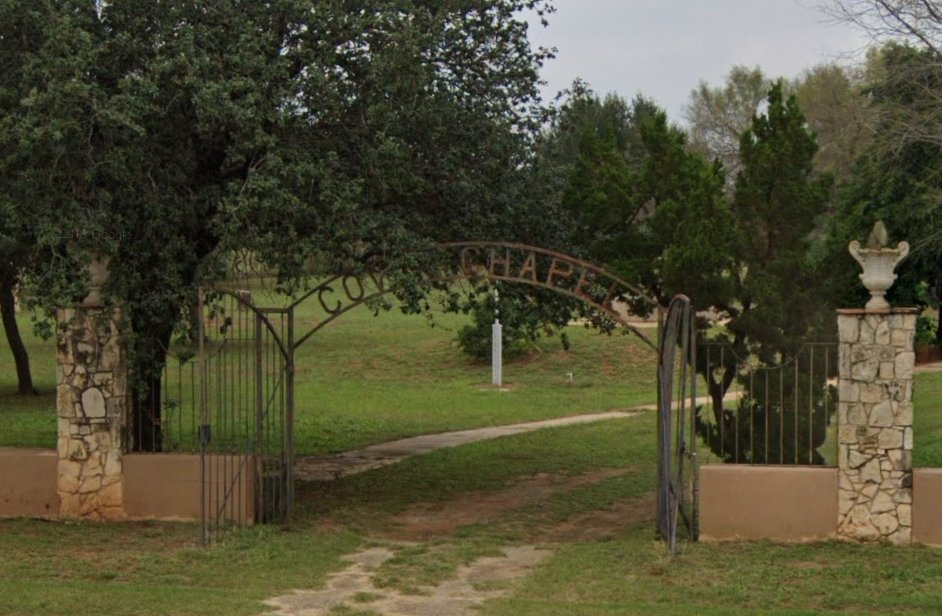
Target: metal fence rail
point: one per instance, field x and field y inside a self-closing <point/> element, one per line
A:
<point x="778" y="413"/>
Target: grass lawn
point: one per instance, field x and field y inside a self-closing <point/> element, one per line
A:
<point x="583" y="492"/>
<point x="78" y="569"/>
<point x="927" y="420"/>
<point x="365" y="379"/>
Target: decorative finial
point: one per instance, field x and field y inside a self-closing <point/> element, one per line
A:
<point x="878" y="263"/>
<point x="878" y="237"/>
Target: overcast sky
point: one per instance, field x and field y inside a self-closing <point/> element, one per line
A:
<point x="664" y="48"/>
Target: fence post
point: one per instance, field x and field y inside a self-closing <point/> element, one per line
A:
<point x="92" y="404"/>
<point x="875" y="418"/>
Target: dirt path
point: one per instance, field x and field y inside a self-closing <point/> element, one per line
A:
<point x="361" y="588"/>
<point x="935" y="366"/>
<point x="428" y="521"/>
<point x="328" y="468"/>
<point x="352" y="590"/>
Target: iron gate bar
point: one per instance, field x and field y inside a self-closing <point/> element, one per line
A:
<point x="204" y="424"/>
<point x="289" y="429"/>
<point x="259" y="401"/>
<point x="678" y="490"/>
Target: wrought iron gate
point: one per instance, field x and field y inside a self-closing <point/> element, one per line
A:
<point x="246" y="404"/>
<point x="677" y="491"/>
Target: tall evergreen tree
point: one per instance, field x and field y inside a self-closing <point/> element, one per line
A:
<point x="776" y="301"/>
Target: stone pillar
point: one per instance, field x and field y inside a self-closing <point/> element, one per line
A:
<point x="875" y="419"/>
<point x="92" y="403"/>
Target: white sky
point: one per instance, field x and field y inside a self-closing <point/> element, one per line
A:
<point x="664" y="48"/>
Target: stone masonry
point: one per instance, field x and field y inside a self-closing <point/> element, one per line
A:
<point x="92" y="403"/>
<point x="875" y="418"/>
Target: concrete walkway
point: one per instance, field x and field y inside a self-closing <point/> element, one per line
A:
<point x="328" y="468"/>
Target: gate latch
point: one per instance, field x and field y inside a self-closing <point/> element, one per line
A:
<point x="206" y="434"/>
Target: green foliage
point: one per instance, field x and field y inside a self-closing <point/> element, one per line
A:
<point x="775" y="301"/>
<point x="898" y="179"/>
<point x="523" y="318"/>
<point x="687" y="240"/>
<point x="925" y="330"/>
<point x="779" y="202"/>
<point x="658" y="214"/>
<point x="783" y="415"/>
<point x="641" y="203"/>
<point x="165" y="136"/>
<point x="600" y="195"/>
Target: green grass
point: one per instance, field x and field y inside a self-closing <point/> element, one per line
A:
<point x="927" y="420"/>
<point x="117" y="569"/>
<point x="364" y="500"/>
<point x="631" y="576"/>
<point x="79" y="569"/>
<point x="365" y="379"/>
<point x="154" y="568"/>
<point x="28" y="421"/>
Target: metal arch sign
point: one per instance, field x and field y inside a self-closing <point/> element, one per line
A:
<point x="497" y="261"/>
<point x="548" y="269"/>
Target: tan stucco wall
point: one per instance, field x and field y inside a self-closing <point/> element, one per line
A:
<point x="167" y="486"/>
<point x="784" y="503"/>
<point x="927" y="505"/>
<point x="28" y="482"/>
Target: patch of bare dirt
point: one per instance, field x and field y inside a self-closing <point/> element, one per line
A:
<point x="504" y="387"/>
<point x="426" y="520"/>
<point x="808" y="565"/>
<point x="601" y="524"/>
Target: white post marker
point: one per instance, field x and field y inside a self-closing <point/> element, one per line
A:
<point x="497" y="360"/>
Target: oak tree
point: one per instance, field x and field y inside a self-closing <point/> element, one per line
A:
<point x="162" y="137"/>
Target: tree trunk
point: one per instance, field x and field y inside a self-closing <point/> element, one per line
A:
<point x="17" y="348"/>
<point x="146" y="417"/>
<point x="146" y="409"/>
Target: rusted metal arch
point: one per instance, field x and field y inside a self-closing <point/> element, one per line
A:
<point x="355" y="291"/>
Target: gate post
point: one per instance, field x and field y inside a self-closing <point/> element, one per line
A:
<point x="92" y="403"/>
<point x="875" y="418"/>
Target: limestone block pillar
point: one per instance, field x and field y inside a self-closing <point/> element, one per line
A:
<point x="92" y="403"/>
<point x="875" y="419"/>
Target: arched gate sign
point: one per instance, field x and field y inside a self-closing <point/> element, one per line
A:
<point x="494" y="261"/>
<point x="246" y="364"/>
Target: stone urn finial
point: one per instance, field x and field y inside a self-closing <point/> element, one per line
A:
<point x="878" y="262"/>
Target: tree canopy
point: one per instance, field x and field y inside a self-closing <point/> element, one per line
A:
<point x="163" y="136"/>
